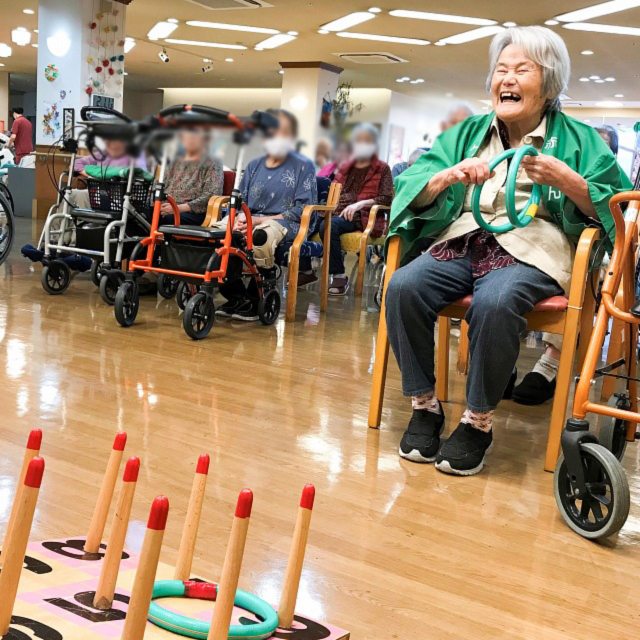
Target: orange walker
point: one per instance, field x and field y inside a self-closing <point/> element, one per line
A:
<point x="591" y="488"/>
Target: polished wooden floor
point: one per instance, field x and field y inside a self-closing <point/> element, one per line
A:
<point x="397" y="550"/>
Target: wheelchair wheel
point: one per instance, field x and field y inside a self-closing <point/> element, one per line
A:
<point x="7" y="226"/>
<point x="605" y="509"/>
<point x="167" y="286"/>
<point x="56" y="277"/>
<point x="269" y="307"/>
<point x="199" y="316"/>
<point x="95" y="275"/>
<point x="184" y="293"/>
<point x="127" y="303"/>
<point x="613" y="431"/>
<point x="109" y="286"/>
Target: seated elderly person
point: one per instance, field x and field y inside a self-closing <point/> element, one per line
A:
<point x="507" y="273"/>
<point x="401" y="167"/>
<point x="365" y="181"/>
<point x="458" y="113"/>
<point x="276" y="188"/>
<point x="341" y="155"/>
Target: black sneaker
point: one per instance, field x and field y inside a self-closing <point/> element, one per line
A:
<point x="421" y="440"/>
<point x="508" y="392"/>
<point x="246" y="312"/>
<point x="229" y="308"/>
<point x="534" y="389"/>
<point x="464" y="452"/>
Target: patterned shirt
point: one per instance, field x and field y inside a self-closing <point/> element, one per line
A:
<point x="194" y="182"/>
<point x="284" y="190"/>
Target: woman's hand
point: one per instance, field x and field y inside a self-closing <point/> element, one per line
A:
<point x="166" y="208"/>
<point x="469" y="171"/>
<point x="351" y="210"/>
<point x="547" y="170"/>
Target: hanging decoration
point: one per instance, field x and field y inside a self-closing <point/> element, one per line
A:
<point x="51" y="120"/>
<point x="51" y="72"/>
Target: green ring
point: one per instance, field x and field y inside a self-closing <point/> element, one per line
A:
<point x="516" y="218"/>
<point x="191" y="628"/>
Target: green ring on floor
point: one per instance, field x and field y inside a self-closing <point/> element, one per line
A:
<point x="191" y="628"/>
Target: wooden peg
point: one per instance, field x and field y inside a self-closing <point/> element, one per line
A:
<point x="111" y="563"/>
<point x="192" y="521"/>
<point x="101" y="512"/>
<point x="14" y="554"/>
<point x="292" y="575"/>
<point x="33" y="449"/>
<point x="138" y="610"/>
<point x="228" y="584"/>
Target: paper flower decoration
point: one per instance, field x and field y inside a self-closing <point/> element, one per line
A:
<point x="99" y="16"/>
<point x="121" y="43"/>
<point x="113" y="58"/>
<point x="97" y="83"/>
<point x="121" y="58"/>
<point x="114" y="28"/>
<point x="105" y="62"/>
<point x="51" y="72"/>
<point x="115" y="12"/>
<point x="90" y="59"/>
<point x="107" y="29"/>
<point x="98" y="69"/>
<point x="120" y="72"/>
<point x="93" y="25"/>
<point x="111" y="71"/>
<point x="89" y="90"/>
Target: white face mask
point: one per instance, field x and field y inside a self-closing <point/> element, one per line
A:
<point x="364" y="150"/>
<point x="279" y="146"/>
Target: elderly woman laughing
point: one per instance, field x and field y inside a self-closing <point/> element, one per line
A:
<point x="506" y="273"/>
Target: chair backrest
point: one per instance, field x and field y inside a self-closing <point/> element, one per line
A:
<point x="324" y="185"/>
<point x="334" y="194"/>
<point x="229" y="181"/>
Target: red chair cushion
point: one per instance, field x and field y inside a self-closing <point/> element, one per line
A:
<point x="229" y="181"/>
<point x="557" y="303"/>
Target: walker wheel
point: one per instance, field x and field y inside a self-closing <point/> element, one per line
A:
<point x="199" y="316"/>
<point x="184" y="293"/>
<point x="56" y="277"/>
<point x="613" y="431"/>
<point x="269" y="307"/>
<point x="109" y="285"/>
<point x="127" y="303"/>
<point x="167" y="286"/>
<point x="605" y="509"/>
<point x="95" y="275"/>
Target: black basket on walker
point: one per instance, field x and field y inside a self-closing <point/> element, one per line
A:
<point x="108" y="195"/>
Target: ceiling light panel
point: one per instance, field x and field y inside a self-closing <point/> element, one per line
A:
<point x="371" y="36"/>
<point x="196" y="43"/>
<point x="602" y="28"/>
<point x="348" y="21"/>
<point x="440" y="17"/>
<point x="275" y="41"/>
<point x="230" y="27"/>
<point x="597" y="10"/>
<point x="161" y="30"/>
<point x="474" y="34"/>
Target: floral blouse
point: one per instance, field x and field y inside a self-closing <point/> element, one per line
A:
<point x="194" y="182"/>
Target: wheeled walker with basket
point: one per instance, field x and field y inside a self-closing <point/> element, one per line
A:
<point x="198" y="255"/>
<point x="591" y="488"/>
<point x="116" y="220"/>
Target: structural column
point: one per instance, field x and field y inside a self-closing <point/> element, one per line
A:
<point x="4" y="101"/>
<point x="304" y="86"/>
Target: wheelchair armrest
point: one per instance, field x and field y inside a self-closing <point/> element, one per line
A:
<point x="214" y="208"/>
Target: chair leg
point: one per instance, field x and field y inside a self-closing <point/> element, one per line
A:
<point x="292" y="286"/>
<point x="463" y="348"/>
<point x="587" y="317"/>
<point x="362" y="264"/>
<point x="615" y="352"/>
<point x="324" y="290"/>
<point x="442" y="365"/>
<point x="563" y="388"/>
<point x="382" y="343"/>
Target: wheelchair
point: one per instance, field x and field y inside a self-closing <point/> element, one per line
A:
<point x="198" y="258"/>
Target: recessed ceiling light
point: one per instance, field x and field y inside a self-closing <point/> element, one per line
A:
<point x="609" y="104"/>
<point x="129" y="43"/>
<point x="594" y="77"/>
<point x="440" y="17"/>
<point x="370" y="36"/>
<point x="474" y="34"/>
<point x="440" y="44"/>
<point x="196" y="43"/>
<point x="584" y="79"/>
<point x="275" y="41"/>
<point x="610" y="79"/>
<point x="228" y="59"/>
<point x="1" y="64"/>
<point x="5" y="50"/>
<point x="21" y="36"/>
<point x="29" y="12"/>
<point x="599" y="81"/>
<point x="587" y="52"/>
<point x="161" y="30"/>
<point x="206" y="60"/>
<point x="292" y="33"/>
<point x="597" y="10"/>
<point x="375" y="10"/>
<point x="603" y="28"/>
<point x="172" y="20"/>
<point x="229" y="27"/>
<point x="348" y="21"/>
<point x="281" y="72"/>
<point x="509" y="24"/>
<point x="400" y="80"/>
<point x="551" y="23"/>
<point x="619" y="95"/>
<point x="323" y="31"/>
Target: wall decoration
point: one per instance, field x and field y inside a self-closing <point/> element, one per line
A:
<point x="68" y="122"/>
<point x="51" y="120"/>
<point x="325" y="114"/>
<point x="63" y="94"/>
<point x="51" y="72"/>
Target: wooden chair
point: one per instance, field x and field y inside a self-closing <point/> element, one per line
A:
<point x="566" y="316"/>
<point x="294" y="252"/>
<point x="216" y="203"/>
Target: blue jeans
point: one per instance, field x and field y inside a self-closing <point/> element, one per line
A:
<point x="339" y="226"/>
<point x="418" y="291"/>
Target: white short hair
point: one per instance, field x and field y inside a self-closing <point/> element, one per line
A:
<point x="365" y="127"/>
<point x="546" y="48"/>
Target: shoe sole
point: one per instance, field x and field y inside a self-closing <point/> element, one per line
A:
<point x="223" y="314"/>
<point x="529" y="402"/>
<point x="414" y="456"/>
<point x="244" y="318"/>
<point x="445" y="467"/>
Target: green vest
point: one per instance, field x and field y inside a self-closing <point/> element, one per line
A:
<point x="576" y="144"/>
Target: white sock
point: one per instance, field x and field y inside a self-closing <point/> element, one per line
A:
<point x="426" y="401"/>
<point x="480" y="421"/>
<point x="547" y="367"/>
